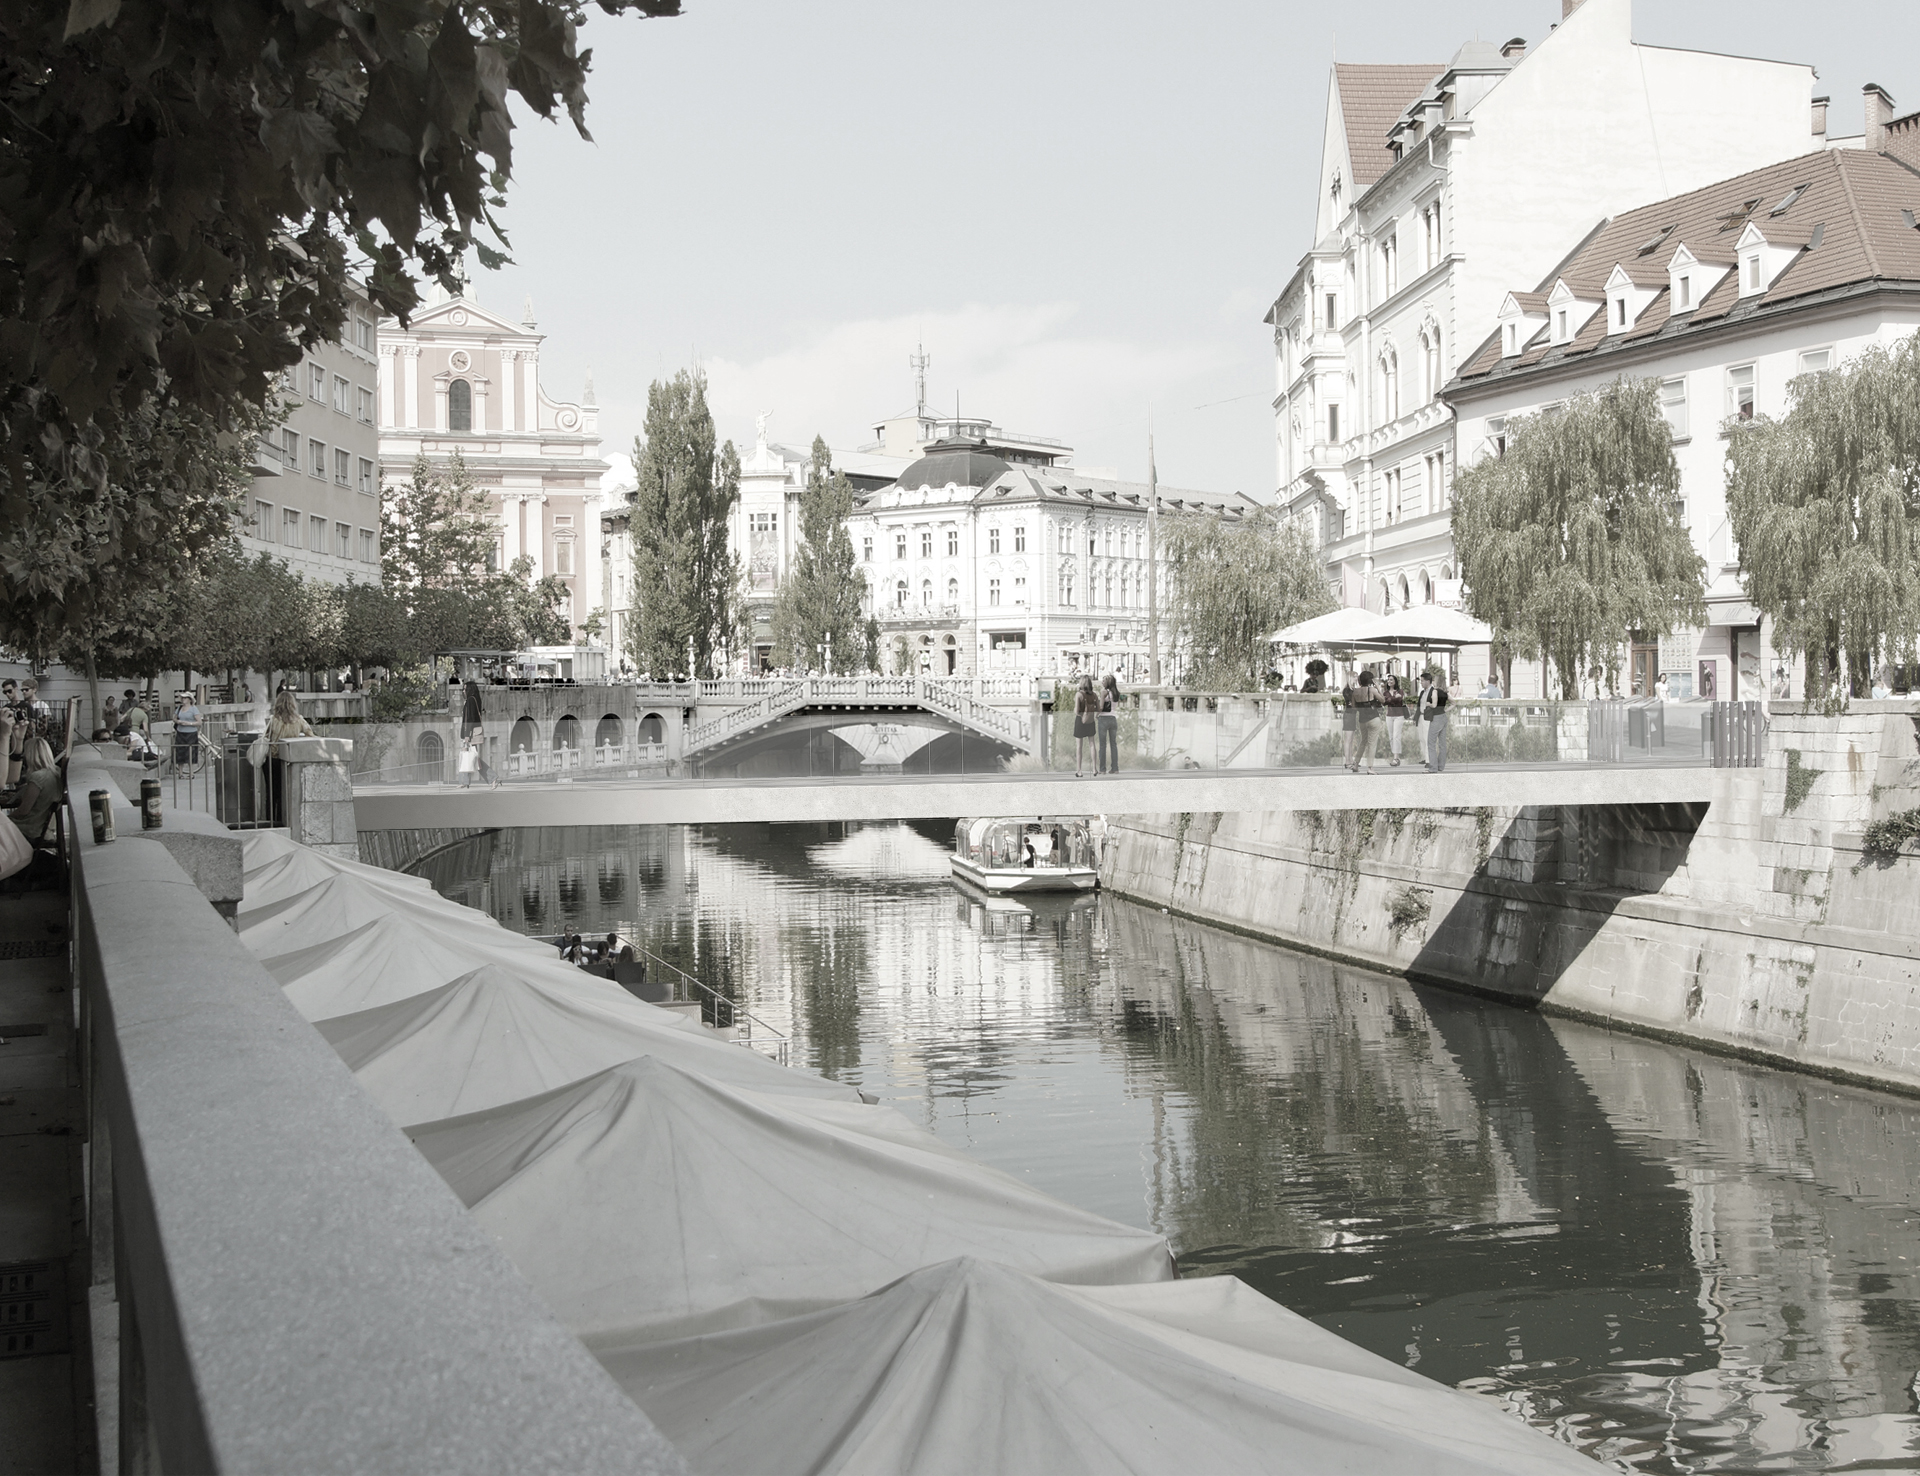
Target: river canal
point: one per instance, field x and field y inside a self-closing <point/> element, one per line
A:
<point x="1674" y="1261"/>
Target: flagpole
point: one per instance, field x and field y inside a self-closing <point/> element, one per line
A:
<point x="1153" y="566"/>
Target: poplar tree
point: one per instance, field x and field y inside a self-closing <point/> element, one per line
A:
<point x="1825" y="509"/>
<point x="1572" y="540"/>
<point x="1231" y="585"/>
<point x="684" y="570"/>
<point x="820" y="598"/>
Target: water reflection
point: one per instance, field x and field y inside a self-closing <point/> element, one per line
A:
<point x="1675" y="1261"/>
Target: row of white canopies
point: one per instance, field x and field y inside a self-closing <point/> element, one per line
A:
<point x="1415" y="628"/>
<point x="789" y="1279"/>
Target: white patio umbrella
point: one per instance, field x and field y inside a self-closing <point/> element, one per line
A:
<point x="1427" y="627"/>
<point x="1342" y="627"/>
<point x="970" y="1366"/>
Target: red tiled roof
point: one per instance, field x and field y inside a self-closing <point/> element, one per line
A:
<point x="1372" y="98"/>
<point x="1852" y="200"/>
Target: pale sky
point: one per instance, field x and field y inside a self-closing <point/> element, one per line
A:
<point x="1082" y="209"/>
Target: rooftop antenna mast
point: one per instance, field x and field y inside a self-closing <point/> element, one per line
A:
<point x="918" y="360"/>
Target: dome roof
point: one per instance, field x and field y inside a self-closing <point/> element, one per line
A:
<point x="962" y="463"/>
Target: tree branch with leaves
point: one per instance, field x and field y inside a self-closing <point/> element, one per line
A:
<point x="1231" y="585"/>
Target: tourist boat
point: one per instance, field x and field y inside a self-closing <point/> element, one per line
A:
<point x="1022" y="854"/>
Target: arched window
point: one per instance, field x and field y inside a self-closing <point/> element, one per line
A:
<point x="926" y="594"/>
<point x="460" y="406"/>
<point x="1426" y="588"/>
<point x="1389" y="387"/>
<point x="953" y="591"/>
<point x="1406" y="597"/>
<point x="1430" y="351"/>
<point x="900" y="594"/>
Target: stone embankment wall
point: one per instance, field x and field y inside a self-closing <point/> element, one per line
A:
<point x="1755" y="923"/>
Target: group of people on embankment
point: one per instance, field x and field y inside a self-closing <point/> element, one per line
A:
<point x="1096" y="715"/>
<point x="1371" y="704"/>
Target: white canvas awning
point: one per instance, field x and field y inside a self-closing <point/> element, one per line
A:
<point x="494" y="1036"/>
<point x="650" y="1197"/>
<point x="1427" y="627"/>
<point x="968" y="1366"/>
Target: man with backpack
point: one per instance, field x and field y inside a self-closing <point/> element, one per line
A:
<point x="1433" y="712"/>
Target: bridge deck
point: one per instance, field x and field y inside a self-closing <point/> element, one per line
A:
<point x="924" y="796"/>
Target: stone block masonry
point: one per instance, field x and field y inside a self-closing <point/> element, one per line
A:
<point x="1754" y="923"/>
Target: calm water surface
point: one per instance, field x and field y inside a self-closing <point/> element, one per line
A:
<point x="1673" y="1261"/>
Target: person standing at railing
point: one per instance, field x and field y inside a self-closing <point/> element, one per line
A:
<point x="1433" y="712"/>
<point x="1086" y="709"/>
<point x="186" y="730"/>
<point x="1369" y="712"/>
<point x="1493" y="692"/>
<point x="1395" y="697"/>
<point x="1107" y="721"/>
<point x="283" y="722"/>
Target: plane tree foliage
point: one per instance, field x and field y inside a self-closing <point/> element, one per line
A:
<point x="1824" y="505"/>
<point x="685" y="575"/>
<point x="181" y="185"/>
<point x="1571" y="540"/>
<point x="1231" y="584"/>
<point x="819" y="600"/>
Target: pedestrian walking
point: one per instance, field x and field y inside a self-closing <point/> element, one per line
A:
<point x="1395" y="698"/>
<point x="1370" y="712"/>
<point x="1349" y="721"/>
<point x="1086" y="709"/>
<point x="1107" y="722"/>
<point x="1433" y="712"/>
<point x="186" y="729"/>
<point x="478" y="738"/>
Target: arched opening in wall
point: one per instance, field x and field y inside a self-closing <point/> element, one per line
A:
<point x="1386" y="598"/>
<point x="1406" y="595"/>
<point x="1426" y="588"/>
<point x="460" y="406"/>
<point x="1446" y="571"/>
<point x="606" y="733"/>
<point x="524" y="736"/>
<point x="951" y="647"/>
<point x="429" y="752"/>
<point x="953" y="593"/>
<point x="653" y="728"/>
<point x="566" y="733"/>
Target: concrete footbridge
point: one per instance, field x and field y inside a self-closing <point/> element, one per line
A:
<point x="721" y="801"/>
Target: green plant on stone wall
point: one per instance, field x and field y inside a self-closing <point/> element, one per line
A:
<point x="1799" y="781"/>
<point x="1483" y="832"/>
<point x="1884" y="839"/>
<point x="1315" y="751"/>
<point x="1408" y="908"/>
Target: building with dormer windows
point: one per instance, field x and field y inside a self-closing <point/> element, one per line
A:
<point x="1725" y="295"/>
<point x="1441" y="189"/>
<point x="463" y="380"/>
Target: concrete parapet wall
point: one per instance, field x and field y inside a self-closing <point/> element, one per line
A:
<point x="1746" y="924"/>
<point x="296" y="1288"/>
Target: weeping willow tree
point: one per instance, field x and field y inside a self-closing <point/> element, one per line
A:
<point x="1572" y="540"/>
<point x="1232" y="584"/>
<point x="1825" y="507"/>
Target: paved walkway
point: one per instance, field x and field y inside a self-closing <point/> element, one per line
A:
<point x="931" y="796"/>
<point x="46" y="1410"/>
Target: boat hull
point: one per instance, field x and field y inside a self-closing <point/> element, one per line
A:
<point x="1008" y="880"/>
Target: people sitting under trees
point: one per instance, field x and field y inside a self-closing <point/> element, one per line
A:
<point x="41" y="790"/>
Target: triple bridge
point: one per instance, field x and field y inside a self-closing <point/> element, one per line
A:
<point x="748" y="727"/>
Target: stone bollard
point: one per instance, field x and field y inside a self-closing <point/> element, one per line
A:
<point x="319" y="795"/>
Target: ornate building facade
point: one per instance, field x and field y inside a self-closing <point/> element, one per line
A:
<point x="463" y="380"/>
<point x="1442" y="186"/>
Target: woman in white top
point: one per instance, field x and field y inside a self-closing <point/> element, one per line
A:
<point x="467" y="761"/>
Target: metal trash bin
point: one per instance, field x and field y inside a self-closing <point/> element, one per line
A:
<point x="238" y="802"/>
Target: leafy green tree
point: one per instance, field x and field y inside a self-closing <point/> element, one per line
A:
<point x="1572" y="540"/>
<point x="183" y="182"/>
<point x="1231" y="585"/>
<point x="1825" y="509"/>
<point x="436" y="531"/>
<point x="870" y="645"/>
<point x="819" y="600"/>
<point x="684" y="571"/>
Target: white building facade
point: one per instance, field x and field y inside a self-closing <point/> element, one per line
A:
<point x="463" y="380"/>
<point x="316" y="490"/>
<point x="1441" y="187"/>
<point x="1724" y="295"/>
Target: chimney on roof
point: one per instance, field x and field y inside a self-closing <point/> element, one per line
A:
<point x="1515" y="49"/>
<point x="1879" y="109"/>
<point x="1567" y="8"/>
<point x="1820" y="116"/>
